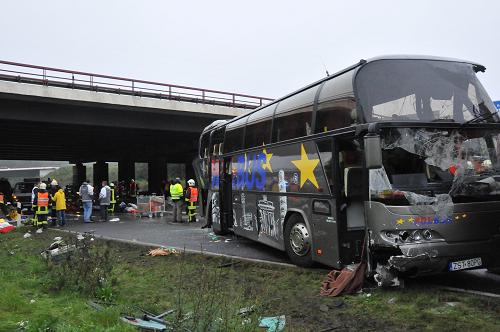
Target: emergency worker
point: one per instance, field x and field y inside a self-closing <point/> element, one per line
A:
<point x="41" y="203"/>
<point x="191" y="197"/>
<point x="176" y="194"/>
<point x="112" y="201"/>
<point x="59" y="198"/>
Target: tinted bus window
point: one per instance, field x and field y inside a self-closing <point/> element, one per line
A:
<point x="334" y="114"/>
<point x="204" y="145"/>
<point x="234" y="137"/>
<point x="325" y="149"/>
<point x="259" y="126"/>
<point x="293" y="124"/>
<point x="294" y="116"/>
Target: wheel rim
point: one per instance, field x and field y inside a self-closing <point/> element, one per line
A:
<point x="300" y="240"/>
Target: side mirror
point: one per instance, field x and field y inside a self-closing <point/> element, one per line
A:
<point x="373" y="152"/>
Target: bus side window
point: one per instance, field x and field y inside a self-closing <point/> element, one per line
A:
<point x="334" y="114"/>
<point x="296" y="123"/>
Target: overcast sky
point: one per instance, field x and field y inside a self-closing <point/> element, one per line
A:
<point x="265" y="48"/>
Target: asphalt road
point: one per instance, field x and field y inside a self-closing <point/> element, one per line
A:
<point x="162" y="232"/>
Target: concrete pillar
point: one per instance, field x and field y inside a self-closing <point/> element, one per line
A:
<point x="101" y="173"/>
<point x="157" y="175"/>
<point x="126" y="170"/>
<point x="190" y="172"/>
<point x="79" y="174"/>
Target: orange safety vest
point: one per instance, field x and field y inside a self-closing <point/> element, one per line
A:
<point x="193" y="194"/>
<point x="43" y="199"/>
<point x="1" y="199"/>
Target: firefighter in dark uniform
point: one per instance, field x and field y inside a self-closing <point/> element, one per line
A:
<point x="112" y="201"/>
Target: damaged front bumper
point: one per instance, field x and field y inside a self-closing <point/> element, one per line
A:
<point x="435" y="257"/>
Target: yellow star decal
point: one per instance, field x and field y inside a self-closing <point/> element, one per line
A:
<point x="267" y="164"/>
<point x="400" y="221"/>
<point x="411" y="219"/>
<point x="306" y="167"/>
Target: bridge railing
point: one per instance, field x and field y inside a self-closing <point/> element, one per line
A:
<point x="33" y="74"/>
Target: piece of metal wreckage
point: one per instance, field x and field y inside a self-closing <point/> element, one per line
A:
<point x="149" y="321"/>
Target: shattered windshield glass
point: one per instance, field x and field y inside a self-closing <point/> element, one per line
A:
<point x="424" y="166"/>
<point x="422" y="90"/>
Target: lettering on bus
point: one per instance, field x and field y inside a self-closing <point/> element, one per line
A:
<point x="248" y="171"/>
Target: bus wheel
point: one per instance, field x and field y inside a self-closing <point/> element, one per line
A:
<point x="298" y="241"/>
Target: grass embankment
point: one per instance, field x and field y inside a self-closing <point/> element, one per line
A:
<point x="207" y="297"/>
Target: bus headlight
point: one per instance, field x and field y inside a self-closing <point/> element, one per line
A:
<point x="427" y="234"/>
<point x="416" y="235"/>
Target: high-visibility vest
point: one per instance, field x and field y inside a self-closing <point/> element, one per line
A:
<point x="43" y="199"/>
<point x="193" y="195"/>
<point x="113" y="200"/>
<point x="1" y="199"/>
<point x="176" y="191"/>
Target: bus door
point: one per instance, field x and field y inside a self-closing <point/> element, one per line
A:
<point x="350" y="179"/>
<point x="226" y="194"/>
<point x="324" y="211"/>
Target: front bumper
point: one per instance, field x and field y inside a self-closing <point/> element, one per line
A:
<point x="432" y="258"/>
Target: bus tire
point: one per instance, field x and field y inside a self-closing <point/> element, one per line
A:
<point x="298" y="241"/>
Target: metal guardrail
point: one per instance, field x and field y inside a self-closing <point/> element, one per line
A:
<point x="41" y="75"/>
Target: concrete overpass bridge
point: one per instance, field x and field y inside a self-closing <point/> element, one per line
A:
<point x="58" y="114"/>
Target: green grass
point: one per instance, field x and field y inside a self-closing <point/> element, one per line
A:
<point x="212" y="296"/>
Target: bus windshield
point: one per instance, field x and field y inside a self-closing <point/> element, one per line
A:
<point x="422" y="90"/>
<point x="421" y="165"/>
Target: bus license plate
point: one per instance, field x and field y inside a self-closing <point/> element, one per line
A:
<point x="465" y="264"/>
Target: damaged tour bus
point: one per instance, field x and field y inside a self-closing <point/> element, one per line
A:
<point x="397" y="157"/>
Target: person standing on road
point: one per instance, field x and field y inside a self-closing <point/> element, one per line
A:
<point x="86" y="192"/>
<point x="104" y="200"/>
<point x="176" y="194"/>
<point x="42" y="206"/>
<point x="191" y="197"/>
<point x="59" y="199"/>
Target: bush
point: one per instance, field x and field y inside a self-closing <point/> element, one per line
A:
<point x="87" y="270"/>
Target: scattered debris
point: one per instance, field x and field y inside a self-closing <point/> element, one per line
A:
<point x="273" y="324"/>
<point x="11" y="252"/>
<point x="32" y="301"/>
<point x="80" y="237"/>
<point x="39" y="231"/>
<point x="392" y="300"/>
<point x="163" y="252"/>
<point x="347" y="281"/>
<point x="149" y="321"/>
<point x="5" y="227"/>
<point x="368" y="295"/>
<point x="114" y="219"/>
<point x="22" y="325"/>
<point x="452" y="304"/>
<point x="57" y="248"/>
<point x="246" y="310"/>
<point x="385" y="277"/>
<point x="95" y="306"/>
<point x="27" y="235"/>
<point x="228" y="240"/>
<point x="213" y="237"/>
<point x="58" y="238"/>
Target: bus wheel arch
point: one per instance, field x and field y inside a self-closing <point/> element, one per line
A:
<point x="298" y="239"/>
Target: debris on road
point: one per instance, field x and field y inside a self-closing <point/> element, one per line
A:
<point x="114" y="219"/>
<point x="273" y="324"/>
<point x="39" y="231"/>
<point x="27" y="235"/>
<point x="163" y="252"/>
<point x="213" y="237"/>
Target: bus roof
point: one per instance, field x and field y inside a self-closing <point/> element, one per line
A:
<point x="359" y="64"/>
